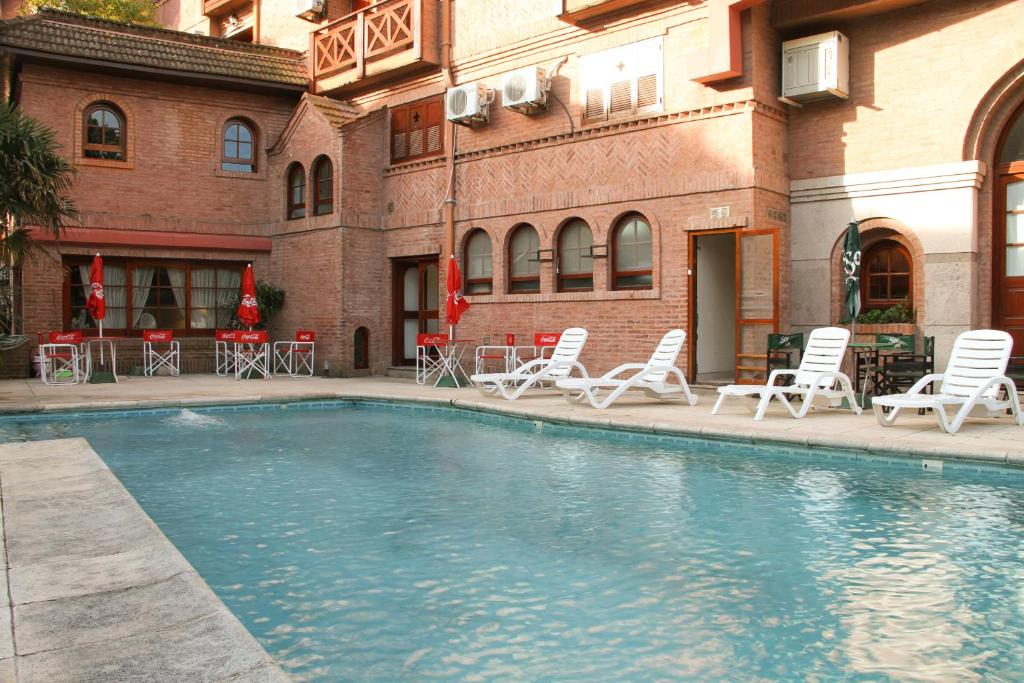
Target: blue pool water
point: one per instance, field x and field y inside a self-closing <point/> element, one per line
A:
<point x="388" y="543"/>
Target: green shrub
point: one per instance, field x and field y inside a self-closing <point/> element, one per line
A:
<point x="899" y="313"/>
<point x="269" y="299"/>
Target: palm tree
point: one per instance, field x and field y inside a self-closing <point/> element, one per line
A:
<point x="34" y="182"/>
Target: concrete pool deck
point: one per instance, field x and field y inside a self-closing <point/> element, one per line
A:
<point x="93" y="590"/>
<point x="988" y="440"/>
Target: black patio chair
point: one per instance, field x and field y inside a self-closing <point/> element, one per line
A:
<point x="781" y="349"/>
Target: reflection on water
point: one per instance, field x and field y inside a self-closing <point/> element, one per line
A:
<point x="372" y="544"/>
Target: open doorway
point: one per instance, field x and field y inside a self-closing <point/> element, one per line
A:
<point x="714" y="307"/>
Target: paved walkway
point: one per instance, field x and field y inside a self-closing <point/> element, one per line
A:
<point x="94" y="591"/>
<point x="998" y="440"/>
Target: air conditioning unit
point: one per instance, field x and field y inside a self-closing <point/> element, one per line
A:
<point x="468" y="103"/>
<point x="815" y="68"/>
<point x="310" y="10"/>
<point x="525" y="90"/>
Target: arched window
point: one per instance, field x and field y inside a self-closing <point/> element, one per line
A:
<point x="523" y="260"/>
<point x="105" y="133"/>
<point x="575" y="257"/>
<point x="238" y="152"/>
<point x="323" y="186"/>
<point x="478" y="263"/>
<point x="887" y="277"/>
<point x="361" y="349"/>
<point x="296" y="191"/>
<point x="631" y="254"/>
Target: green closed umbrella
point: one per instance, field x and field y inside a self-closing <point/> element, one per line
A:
<point x="851" y="267"/>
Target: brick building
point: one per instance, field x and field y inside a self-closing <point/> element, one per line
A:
<point x="654" y="180"/>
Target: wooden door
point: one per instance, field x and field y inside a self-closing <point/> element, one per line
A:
<point x="757" y="301"/>
<point x="416" y="306"/>
<point x="1008" y="261"/>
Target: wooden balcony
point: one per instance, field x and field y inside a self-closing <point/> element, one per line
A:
<point x="219" y="7"/>
<point x="793" y="13"/>
<point x="385" y="40"/>
<point x="578" y="11"/>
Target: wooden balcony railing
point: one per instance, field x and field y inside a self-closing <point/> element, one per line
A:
<point x="387" y="35"/>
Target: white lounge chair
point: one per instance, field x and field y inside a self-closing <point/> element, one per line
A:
<point x="651" y="377"/>
<point x="815" y="379"/>
<point x="974" y="376"/>
<point x="538" y="372"/>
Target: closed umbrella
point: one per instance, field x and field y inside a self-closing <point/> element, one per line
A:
<point x="851" y="268"/>
<point x="97" y="302"/>
<point x="248" y="312"/>
<point x="455" y="303"/>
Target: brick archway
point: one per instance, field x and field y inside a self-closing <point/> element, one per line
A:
<point x="873" y="231"/>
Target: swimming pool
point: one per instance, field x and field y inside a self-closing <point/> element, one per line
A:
<point x="371" y="542"/>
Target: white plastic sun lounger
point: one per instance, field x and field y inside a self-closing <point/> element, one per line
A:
<point x="652" y="378"/>
<point x="815" y="379"/>
<point x="974" y="376"/>
<point x="538" y="372"/>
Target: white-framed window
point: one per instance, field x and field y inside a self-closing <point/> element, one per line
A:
<point x="623" y="81"/>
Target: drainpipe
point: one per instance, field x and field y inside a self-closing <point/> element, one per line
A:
<point x="446" y="70"/>
<point x="6" y="77"/>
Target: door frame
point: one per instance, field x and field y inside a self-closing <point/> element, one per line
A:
<point x="691" y="303"/>
<point x="1005" y="174"/>
<point x="399" y="266"/>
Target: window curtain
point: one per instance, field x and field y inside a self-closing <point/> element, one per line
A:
<point x="177" y="278"/>
<point x="228" y="284"/>
<point x="114" y="291"/>
<point x="142" y="282"/>
<point x="204" y="298"/>
<point x="83" y="318"/>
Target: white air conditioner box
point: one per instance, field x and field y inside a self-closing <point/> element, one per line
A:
<point x="815" y="68"/>
<point x="310" y="10"/>
<point x="468" y="103"/>
<point x="525" y="90"/>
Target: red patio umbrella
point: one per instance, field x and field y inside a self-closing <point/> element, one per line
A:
<point x="97" y="303"/>
<point x="248" y="312"/>
<point x="455" y="303"/>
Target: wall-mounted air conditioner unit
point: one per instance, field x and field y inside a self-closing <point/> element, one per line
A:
<point x="525" y="90"/>
<point x="468" y="103"/>
<point x="815" y="68"/>
<point x="310" y="10"/>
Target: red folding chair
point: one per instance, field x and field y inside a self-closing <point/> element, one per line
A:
<point x="296" y="358"/>
<point x="62" y="360"/>
<point x="160" y="350"/>
<point x="431" y="356"/>
<point x="224" y="351"/>
<point x="252" y="354"/>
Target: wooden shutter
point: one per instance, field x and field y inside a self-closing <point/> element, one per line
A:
<point x="417" y="127"/>
<point x="435" y="126"/>
<point x="399" y="133"/>
<point x="593" y="108"/>
<point x="621" y="99"/>
<point x="648" y="75"/>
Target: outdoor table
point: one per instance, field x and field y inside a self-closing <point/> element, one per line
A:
<point x="451" y="359"/>
<point x="870" y="351"/>
<point x="98" y="342"/>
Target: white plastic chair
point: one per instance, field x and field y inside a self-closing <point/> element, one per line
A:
<point x="815" y="380"/>
<point x="974" y="377"/>
<point x="160" y="350"/>
<point x="224" y="351"/>
<point x="538" y="372"/>
<point x="252" y="354"/>
<point x="431" y="355"/>
<point x="652" y="378"/>
<point x="296" y="358"/>
<point x="62" y="360"/>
